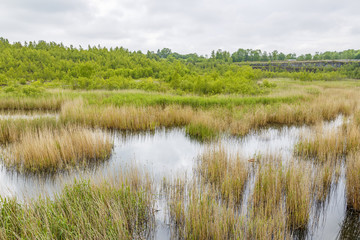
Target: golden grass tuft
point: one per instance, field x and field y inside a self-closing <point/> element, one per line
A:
<point x="48" y="151"/>
<point x="11" y="130"/>
<point x="298" y="194"/>
<point x="125" y="117"/>
<point x="46" y="103"/>
<point x="228" y="174"/>
<point x="353" y="181"/>
<point x="322" y="145"/>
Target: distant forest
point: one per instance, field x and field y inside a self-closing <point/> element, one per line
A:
<point x="55" y="65"/>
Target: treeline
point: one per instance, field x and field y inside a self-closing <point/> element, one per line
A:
<point x="251" y="55"/>
<point x="55" y="65"/>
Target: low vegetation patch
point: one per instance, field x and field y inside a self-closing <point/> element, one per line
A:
<point x="48" y="151"/>
<point x="81" y="211"/>
<point x="353" y="181"/>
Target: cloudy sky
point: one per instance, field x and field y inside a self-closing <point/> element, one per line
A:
<point x="185" y="26"/>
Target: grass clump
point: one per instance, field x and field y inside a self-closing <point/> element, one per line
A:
<point x="227" y="174"/>
<point x="124" y="118"/>
<point x="353" y="181"/>
<point x="48" y="151"/>
<point x="298" y="195"/>
<point x="200" y="132"/>
<point x="80" y="211"/>
<point x="42" y="103"/>
<point x="11" y="130"/>
<point x="323" y="146"/>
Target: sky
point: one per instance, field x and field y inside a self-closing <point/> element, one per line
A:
<point x="187" y="26"/>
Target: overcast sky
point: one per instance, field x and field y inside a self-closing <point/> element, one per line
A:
<point x="185" y="26"/>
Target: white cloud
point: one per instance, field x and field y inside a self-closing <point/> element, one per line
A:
<point x="188" y="25"/>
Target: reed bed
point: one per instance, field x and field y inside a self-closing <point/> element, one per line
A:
<point x="201" y="132"/>
<point x="82" y="210"/>
<point x="227" y="174"/>
<point x="278" y="204"/>
<point x="124" y="118"/>
<point x="11" y="130"/>
<point x="237" y="120"/>
<point x="48" y="150"/>
<point x="298" y="192"/>
<point x="324" y="145"/>
<point x="45" y="103"/>
<point x="353" y="181"/>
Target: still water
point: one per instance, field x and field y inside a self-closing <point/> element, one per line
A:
<point x="166" y="152"/>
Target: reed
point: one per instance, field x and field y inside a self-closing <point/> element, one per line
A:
<point x="268" y="189"/>
<point x="11" y="130"/>
<point x="298" y="195"/>
<point x="322" y="145"/>
<point x="45" y="103"/>
<point x="81" y="211"/>
<point x="124" y="118"/>
<point x="200" y="132"/>
<point x="323" y="181"/>
<point x="352" y="133"/>
<point x="353" y="181"/>
<point x="227" y="174"/>
<point x="235" y="119"/>
<point x="48" y="151"/>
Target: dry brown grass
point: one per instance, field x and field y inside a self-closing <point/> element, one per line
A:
<point x="52" y="103"/>
<point x="126" y="117"/>
<point x="322" y="145"/>
<point x="353" y="181"/>
<point x="298" y="193"/>
<point x="48" y="150"/>
<point x="228" y="174"/>
<point x="236" y="120"/>
<point x="11" y="130"/>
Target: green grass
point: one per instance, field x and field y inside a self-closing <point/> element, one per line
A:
<point x="201" y="132"/>
<point x="146" y="99"/>
<point x="81" y="211"/>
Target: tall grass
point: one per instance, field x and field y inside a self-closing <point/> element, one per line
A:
<point x="81" y="211"/>
<point x="148" y="99"/>
<point x="44" y="103"/>
<point x="330" y="144"/>
<point x="200" y="132"/>
<point x="322" y="145"/>
<point x="48" y="151"/>
<point x="353" y="181"/>
<point x="124" y="118"/>
<point x="277" y="205"/>
<point x="227" y="174"/>
<point x="236" y="120"/>
<point x="298" y="194"/>
<point x="11" y="130"/>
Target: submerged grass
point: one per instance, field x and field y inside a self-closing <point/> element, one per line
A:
<point x="82" y="211"/>
<point x="48" y="150"/>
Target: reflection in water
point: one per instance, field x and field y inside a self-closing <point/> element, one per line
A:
<point x="168" y="152"/>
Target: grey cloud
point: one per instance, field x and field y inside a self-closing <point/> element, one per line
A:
<point x="188" y="25"/>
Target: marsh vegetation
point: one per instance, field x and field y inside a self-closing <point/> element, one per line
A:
<point x="242" y="153"/>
